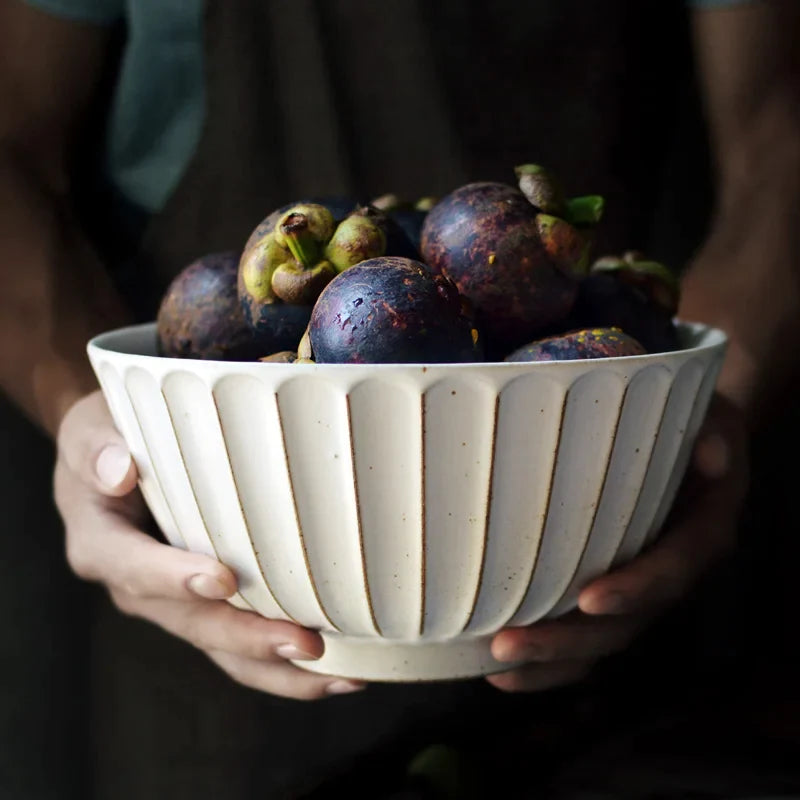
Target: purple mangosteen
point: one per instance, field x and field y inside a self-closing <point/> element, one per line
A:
<point x="516" y="264"/>
<point x="591" y="343"/>
<point x="391" y="310"/>
<point x="200" y="315"/>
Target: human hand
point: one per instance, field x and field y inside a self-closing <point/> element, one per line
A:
<point x="613" y="608"/>
<point x="182" y="592"/>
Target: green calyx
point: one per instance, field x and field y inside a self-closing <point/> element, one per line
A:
<point x="305" y="251"/>
<point x="388" y="202"/>
<point x="300" y="241"/>
<point x="393" y="202"/>
<point x="286" y="264"/>
<point x="356" y="239"/>
<point x="585" y="211"/>
<point x="541" y="188"/>
<point x="304" y="351"/>
<point x="304" y="230"/>
<point x="300" y="286"/>
<point x="659" y="282"/>
<point x="257" y="267"/>
<point x="425" y="203"/>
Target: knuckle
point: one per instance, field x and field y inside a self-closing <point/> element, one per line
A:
<point x="232" y="668"/>
<point x="310" y="693"/>
<point x="259" y="649"/>
<point x="59" y="488"/>
<point x="132" y="589"/>
<point x="79" y="559"/>
<point x="195" y="631"/>
<point x="305" y="688"/>
<point x="124" y="603"/>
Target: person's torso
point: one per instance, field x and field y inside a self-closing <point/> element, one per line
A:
<point x="286" y="100"/>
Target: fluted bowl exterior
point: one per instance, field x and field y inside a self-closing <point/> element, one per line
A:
<point x="396" y="506"/>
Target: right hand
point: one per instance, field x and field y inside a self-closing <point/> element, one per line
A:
<point x="182" y="592"/>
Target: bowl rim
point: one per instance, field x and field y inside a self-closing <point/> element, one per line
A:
<point x="709" y="339"/>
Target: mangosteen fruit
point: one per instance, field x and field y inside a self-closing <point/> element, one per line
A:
<point x="516" y="264"/>
<point x="634" y="294"/>
<point x="282" y="272"/>
<point x="591" y="343"/>
<point x="200" y="315"/>
<point x="391" y="310"/>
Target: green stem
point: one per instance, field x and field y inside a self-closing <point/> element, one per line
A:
<point x="300" y="240"/>
<point x="583" y="211"/>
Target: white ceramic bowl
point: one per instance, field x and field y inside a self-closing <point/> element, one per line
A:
<point x="409" y="512"/>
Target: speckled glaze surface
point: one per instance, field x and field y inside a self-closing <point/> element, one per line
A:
<point x="409" y="512"/>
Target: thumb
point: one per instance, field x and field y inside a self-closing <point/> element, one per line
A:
<point x="114" y="471"/>
<point x="94" y="449"/>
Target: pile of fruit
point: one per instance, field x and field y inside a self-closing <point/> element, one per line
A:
<point x="491" y="272"/>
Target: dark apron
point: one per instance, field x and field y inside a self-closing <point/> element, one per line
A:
<point x="363" y="97"/>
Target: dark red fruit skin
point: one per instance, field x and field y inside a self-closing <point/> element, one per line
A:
<point x="277" y="326"/>
<point x="411" y="221"/>
<point x="593" y="343"/>
<point x="484" y="237"/>
<point x="391" y="310"/>
<point x="607" y="301"/>
<point x="200" y="315"/>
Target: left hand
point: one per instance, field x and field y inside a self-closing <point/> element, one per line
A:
<point x="613" y="608"/>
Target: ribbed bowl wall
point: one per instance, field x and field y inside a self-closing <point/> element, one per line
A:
<point x="405" y="502"/>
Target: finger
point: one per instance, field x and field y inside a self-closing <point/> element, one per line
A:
<point x="571" y="638"/>
<point x="721" y="442"/>
<point x="663" y="574"/>
<point x="103" y="546"/>
<point x="95" y="450"/>
<point x="284" y="680"/>
<point x="704" y="524"/>
<point x="538" y="677"/>
<point x="712" y="455"/>
<point x="213" y="625"/>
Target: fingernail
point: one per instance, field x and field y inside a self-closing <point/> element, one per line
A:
<point x="344" y="687"/>
<point x="290" y="651"/>
<point x="209" y="587"/>
<point x="112" y="465"/>
<point x="612" y="603"/>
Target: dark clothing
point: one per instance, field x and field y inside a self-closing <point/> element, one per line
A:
<point x="359" y="98"/>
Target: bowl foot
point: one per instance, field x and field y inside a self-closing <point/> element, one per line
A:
<point x="402" y="661"/>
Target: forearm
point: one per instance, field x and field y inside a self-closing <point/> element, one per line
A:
<point x="54" y="294"/>
<point x="746" y="277"/>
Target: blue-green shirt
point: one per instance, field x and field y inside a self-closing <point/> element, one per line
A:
<point x="159" y="103"/>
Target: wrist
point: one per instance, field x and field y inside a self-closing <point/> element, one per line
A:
<point x="57" y="384"/>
